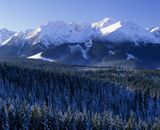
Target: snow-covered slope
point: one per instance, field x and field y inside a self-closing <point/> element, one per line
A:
<point x="18" y="38"/>
<point x="5" y="34"/>
<point x="59" y="32"/>
<point x="107" y="29"/>
<point x="155" y="31"/>
<point x="121" y="31"/>
<point x="39" y="57"/>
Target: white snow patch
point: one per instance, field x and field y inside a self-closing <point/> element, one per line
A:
<point x="84" y="54"/>
<point x="109" y="29"/>
<point x="121" y="31"/>
<point x="75" y="48"/>
<point x="5" y="35"/>
<point x="103" y="23"/>
<point x="155" y="29"/>
<point x="81" y="49"/>
<point x="21" y="48"/>
<point x="129" y="57"/>
<point x="6" y="41"/>
<point x="156" y="32"/>
<point x="39" y="57"/>
<point x="33" y="33"/>
<point x="111" y="52"/>
<point x="88" y="44"/>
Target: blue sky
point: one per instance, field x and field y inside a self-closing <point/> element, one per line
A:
<point x="23" y="14"/>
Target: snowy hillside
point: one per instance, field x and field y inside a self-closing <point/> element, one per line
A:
<point x="107" y="29"/>
<point x="59" y="32"/>
<point x="5" y="34"/>
<point x="121" y="31"/>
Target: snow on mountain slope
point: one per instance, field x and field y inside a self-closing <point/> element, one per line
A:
<point x="74" y="48"/>
<point x="18" y="38"/>
<point x="59" y="32"/>
<point x="129" y="57"/>
<point x="155" y="31"/>
<point x="5" y="34"/>
<point x="103" y="23"/>
<point x="15" y="39"/>
<point x="107" y="29"/>
<point x="39" y="57"/>
<point x="120" y="31"/>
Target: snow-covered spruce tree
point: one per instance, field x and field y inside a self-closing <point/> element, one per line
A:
<point x="36" y="118"/>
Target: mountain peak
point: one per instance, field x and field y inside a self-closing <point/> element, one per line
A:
<point x="5" y="34"/>
<point x="122" y="31"/>
<point x="59" y="32"/>
<point x="103" y="23"/>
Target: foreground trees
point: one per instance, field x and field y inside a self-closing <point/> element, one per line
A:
<point x="66" y="99"/>
<point x="41" y="119"/>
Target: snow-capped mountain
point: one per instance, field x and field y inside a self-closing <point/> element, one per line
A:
<point x="18" y="38"/>
<point x="56" y="33"/>
<point x="60" y="32"/>
<point x="107" y="42"/>
<point x="121" y="31"/>
<point x="5" y="34"/>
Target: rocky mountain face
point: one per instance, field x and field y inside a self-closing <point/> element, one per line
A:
<point x="104" y="43"/>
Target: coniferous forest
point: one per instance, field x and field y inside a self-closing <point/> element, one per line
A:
<point x="36" y="95"/>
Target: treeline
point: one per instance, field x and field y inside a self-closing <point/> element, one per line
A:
<point x="65" y="99"/>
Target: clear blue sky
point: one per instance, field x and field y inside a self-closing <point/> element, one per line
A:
<point x="23" y="14"/>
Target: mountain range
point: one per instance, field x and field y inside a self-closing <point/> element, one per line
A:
<point x="104" y="43"/>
